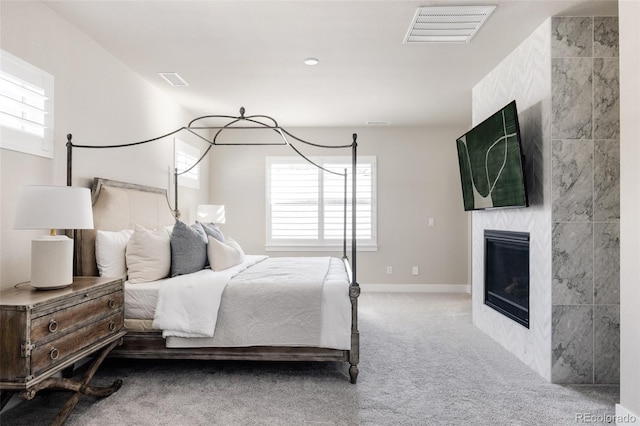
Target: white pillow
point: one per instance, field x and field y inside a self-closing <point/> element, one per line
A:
<point x="148" y="255"/>
<point x="224" y="255"/>
<point x="110" y="252"/>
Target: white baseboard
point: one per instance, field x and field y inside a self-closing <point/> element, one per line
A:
<point x="417" y="288"/>
<point x="624" y="416"/>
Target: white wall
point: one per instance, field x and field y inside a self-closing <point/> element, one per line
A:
<point x="101" y="101"/>
<point x="524" y="75"/>
<point x="418" y="178"/>
<point x="97" y="99"/>
<point x="629" y="207"/>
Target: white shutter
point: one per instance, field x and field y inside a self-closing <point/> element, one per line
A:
<point x="185" y="157"/>
<point x="305" y="205"/>
<point x="22" y="105"/>
<point x="26" y="107"/>
<point x="334" y="201"/>
<point x="294" y="201"/>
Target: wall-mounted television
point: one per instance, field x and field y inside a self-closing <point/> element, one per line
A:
<point x="492" y="164"/>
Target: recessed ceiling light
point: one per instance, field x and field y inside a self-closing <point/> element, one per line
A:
<point x="378" y="123"/>
<point x="311" y="61"/>
<point x="173" y="78"/>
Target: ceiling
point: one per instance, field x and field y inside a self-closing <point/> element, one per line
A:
<point x="250" y="53"/>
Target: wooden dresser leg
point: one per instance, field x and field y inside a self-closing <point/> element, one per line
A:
<point x="66" y="409"/>
<point x="79" y="388"/>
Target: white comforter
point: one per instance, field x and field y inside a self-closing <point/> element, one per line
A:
<point x="285" y="303"/>
<point x="141" y="303"/>
<point x="335" y="326"/>
<point x="188" y="305"/>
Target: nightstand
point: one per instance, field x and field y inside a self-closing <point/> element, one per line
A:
<point x="46" y="331"/>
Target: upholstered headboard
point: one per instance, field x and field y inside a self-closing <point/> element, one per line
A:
<point x="118" y="206"/>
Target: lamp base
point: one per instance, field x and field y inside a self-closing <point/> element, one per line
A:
<point x="45" y="288"/>
<point x="51" y="262"/>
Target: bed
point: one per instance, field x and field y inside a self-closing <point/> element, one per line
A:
<point x="330" y="334"/>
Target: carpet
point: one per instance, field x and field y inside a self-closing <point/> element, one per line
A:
<point x="422" y="363"/>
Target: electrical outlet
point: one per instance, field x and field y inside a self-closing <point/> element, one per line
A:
<point x="389" y="270"/>
<point x="415" y="270"/>
<point x="432" y="221"/>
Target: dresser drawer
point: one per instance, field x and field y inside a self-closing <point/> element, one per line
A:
<point x="49" y="354"/>
<point x="43" y="332"/>
<point x="56" y="324"/>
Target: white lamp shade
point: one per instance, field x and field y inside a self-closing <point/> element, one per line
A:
<point x="212" y="213"/>
<point x="53" y="207"/>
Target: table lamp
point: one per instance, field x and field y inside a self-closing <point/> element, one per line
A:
<point x="53" y="207"/>
<point x="211" y="213"/>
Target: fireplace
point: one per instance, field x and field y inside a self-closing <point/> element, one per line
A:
<point x="506" y="274"/>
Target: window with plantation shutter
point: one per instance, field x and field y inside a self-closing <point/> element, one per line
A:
<point x="334" y="200"/>
<point x="305" y="205"/>
<point x="26" y="107"/>
<point x="294" y="201"/>
<point x="185" y="158"/>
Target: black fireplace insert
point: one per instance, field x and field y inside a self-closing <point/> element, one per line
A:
<point x="506" y="274"/>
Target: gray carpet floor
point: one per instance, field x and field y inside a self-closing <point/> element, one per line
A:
<point x="422" y="363"/>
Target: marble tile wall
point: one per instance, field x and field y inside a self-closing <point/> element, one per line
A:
<point x="564" y="78"/>
<point x="570" y="365"/>
<point x="585" y="207"/>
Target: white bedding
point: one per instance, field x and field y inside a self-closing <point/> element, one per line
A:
<point x="188" y="305"/>
<point x="335" y="322"/>
<point x="142" y="298"/>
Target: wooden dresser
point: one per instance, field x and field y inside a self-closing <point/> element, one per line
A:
<point x="43" y="332"/>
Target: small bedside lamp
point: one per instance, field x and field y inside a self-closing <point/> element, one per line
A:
<point x="53" y="207"/>
<point x="211" y="213"/>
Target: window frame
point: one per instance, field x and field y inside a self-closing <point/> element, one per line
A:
<point x="320" y="244"/>
<point x="20" y="140"/>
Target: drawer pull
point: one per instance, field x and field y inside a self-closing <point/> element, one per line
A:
<point x="112" y="303"/>
<point x="112" y="325"/>
<point x="54" y="353"/>
<point x="53" y="326"/>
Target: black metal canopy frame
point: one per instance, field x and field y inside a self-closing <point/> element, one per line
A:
<point x="262" y="122"/>
<point x="252" y="122"/>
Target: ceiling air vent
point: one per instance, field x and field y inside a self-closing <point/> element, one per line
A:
<point x="447" y="24"/>
<point x="173" y="78"/>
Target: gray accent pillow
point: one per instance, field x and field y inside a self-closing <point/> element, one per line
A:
<point x="198" y="227"/>
<point x="200" y="230"/>
<point x="212" y="230"/>
<point x="188" y="250"/>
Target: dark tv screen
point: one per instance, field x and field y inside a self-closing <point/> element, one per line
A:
<point x="491" y="163"/>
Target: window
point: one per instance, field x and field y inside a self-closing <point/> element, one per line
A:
<point x="26" y="107"/>
<point x="305" y="205"/>
<point x="185" y="157"/>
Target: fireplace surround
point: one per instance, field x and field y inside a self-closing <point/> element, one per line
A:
<point x="506" y="274"/>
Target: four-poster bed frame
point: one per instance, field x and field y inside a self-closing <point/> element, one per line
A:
<point x="138" y="344"/>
